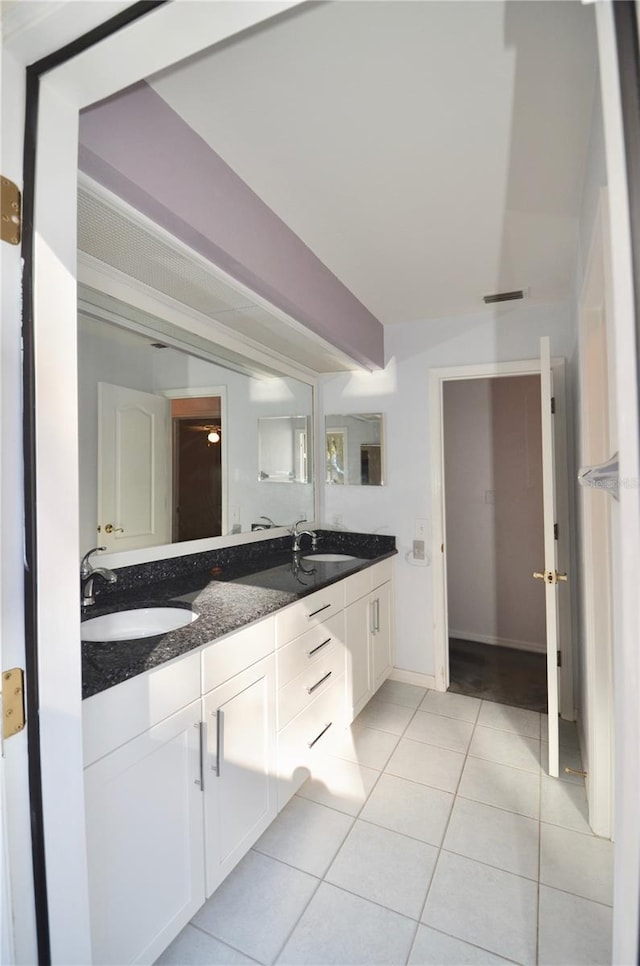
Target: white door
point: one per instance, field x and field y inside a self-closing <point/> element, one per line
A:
<point x="134" y="463"/>
<point x="549" y="572"/>
<point x="381" y="633"/>
<point x="145" y="840"/>
<point x="239" y="777"/>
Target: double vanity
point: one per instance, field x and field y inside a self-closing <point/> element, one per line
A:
<point x="196" y="737"/>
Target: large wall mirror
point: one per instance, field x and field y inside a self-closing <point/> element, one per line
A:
<point x="354" y="449"/>
<point x="172" y="438"/>
<point x="284" y="455"/>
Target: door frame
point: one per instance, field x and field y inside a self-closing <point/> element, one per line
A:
<point x="598" y="572"/>
<point x="89" y="69"/>
<point x="437" y="379"/>
<point x="194" y="393"/>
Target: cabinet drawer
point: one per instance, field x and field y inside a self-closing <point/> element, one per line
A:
<point x="115" y="716"/>
<point x="305" y="736"/>
<point x="309" y="648"/>
<point x="230" y="655"/>
<point x="357" y="585"/>
<point x="308" y="612"/>
<point x="310" y="683"/>
<point x="381" y="572"/>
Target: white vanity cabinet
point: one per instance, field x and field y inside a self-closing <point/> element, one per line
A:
<point x="144" y="812"/>
<point x="187" y="764"/>
<point x="311" y="683"/>
<point x="239" y="767"/>
<point x="369" y="624"/>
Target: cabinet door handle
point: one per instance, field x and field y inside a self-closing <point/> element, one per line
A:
<point x="375" y="616"/>
<point x="219" y="742"/>
<point x="202" y="727"/>
<point x="318" y="611"/>
<point x="310" y="744"/>
<point x="318" y="647"/>
<point x="318" y="683"/>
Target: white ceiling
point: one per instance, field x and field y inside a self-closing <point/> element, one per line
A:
<point x="427" y="152"/>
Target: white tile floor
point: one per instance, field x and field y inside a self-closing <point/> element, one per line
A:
<point x="429" y="834"/>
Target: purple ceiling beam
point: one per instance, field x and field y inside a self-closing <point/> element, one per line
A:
<point x="140" y="149"/>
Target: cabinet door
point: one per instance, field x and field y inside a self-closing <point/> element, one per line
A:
<point x="145" y="840"/>
<point x="239" y="781"/>
<point x="359" y="679"/>
<point x="381" y="656"/>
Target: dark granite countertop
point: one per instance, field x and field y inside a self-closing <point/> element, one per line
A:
<point x="229" y="589"/>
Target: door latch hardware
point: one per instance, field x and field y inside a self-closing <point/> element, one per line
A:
<point x="11" y="214"/>
<point x="13" y="719"/>
<point x="550" y="576"/>
<point x="575" y="771"/>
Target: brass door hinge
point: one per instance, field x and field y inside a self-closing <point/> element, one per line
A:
<point x="11" y="215"/>
<point x="13" y="719"/>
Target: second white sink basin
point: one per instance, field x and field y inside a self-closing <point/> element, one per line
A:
<point x="127" y="625"/>
<point x="330" y="557"/>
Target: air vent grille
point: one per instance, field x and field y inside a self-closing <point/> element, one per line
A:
<point x="503" y="297"/>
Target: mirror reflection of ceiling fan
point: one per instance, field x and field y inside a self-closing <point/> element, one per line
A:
<point x="213" y="432"/>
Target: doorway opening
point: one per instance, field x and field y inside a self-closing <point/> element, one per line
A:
<point x="492" y="443"/>
<point x="555" y="565"/>
<point x="197" y="467"/>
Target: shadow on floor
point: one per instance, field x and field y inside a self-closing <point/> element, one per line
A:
<point x="517" y="678"/>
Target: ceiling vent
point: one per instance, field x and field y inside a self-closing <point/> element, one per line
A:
<point x="503" y="297"/>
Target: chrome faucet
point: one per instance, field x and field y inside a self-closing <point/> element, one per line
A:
<point x="296" y="534"/>
<point x="87" y="575"/>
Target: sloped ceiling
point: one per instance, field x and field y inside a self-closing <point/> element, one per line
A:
<point x="427" y="152"/>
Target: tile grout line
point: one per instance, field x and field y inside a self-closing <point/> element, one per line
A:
<point x="323" y="878"/>
<point x="453" y="805"/>
<point x="223" y="942"/>
<point x="539" y="851"/>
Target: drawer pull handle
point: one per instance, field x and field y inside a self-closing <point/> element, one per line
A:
<point x="318" y="647"/>
<point x="318" y="683"/>
<point x="310" y="744"/>
<point x="318" y="611"/>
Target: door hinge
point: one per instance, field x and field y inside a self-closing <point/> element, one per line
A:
<point x="555" y="531"/>
<point x="11" y="214"/>
<point x="13" y="719"/>
<point x="553" y="405"/>
<point x="559" y="658"/>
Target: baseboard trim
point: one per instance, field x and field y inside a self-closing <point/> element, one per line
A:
<point x="498" y="641"/>
<point x="413" y="677"/>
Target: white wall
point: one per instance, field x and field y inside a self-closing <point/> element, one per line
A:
<point x="493" y="484"/>
<point x="401" y="393"/>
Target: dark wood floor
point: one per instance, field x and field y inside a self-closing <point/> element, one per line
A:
<point x="502" y="674"/>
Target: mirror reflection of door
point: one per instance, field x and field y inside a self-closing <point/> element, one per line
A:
<point x="197" y="468"/>
<point x="370" y="464"/>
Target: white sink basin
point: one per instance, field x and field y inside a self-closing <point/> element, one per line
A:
<point x="330" y="557"/>
<point x="126" y="625"/>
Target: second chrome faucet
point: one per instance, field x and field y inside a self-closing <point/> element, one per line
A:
<point x="296" y="534"/>
<point x="88" y="574"/>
